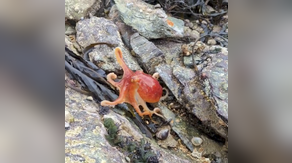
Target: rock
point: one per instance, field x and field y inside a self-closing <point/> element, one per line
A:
<point x="100" y="30"/>
<point x="184" y="75"/>
<point x="188" y="61"/>
<point x="104" y="57"/>
<point x="125" y="127"/>
<point x="78" y="9"/>
<point x="197" y="141"/>
<point x="182" y="83"/>
<point x="186" y="131"/>
<point x="193" y="34"/>
<point x="165" y="73"/>
<point x="126" y="32"/>
<point x="204" y="22"/>
<point x="69" y="30"/>
<point x="217" y="73"/>
<point x="148" y="54"/>
<point x="95" y="30"/>
<point x="68" y="117"/>
<point x="163" y="133"/>
<point x="216" y="29"/>
<point x="209" y="9"/>
<point x="67" y="125"/>
<point x="211" y="41"/>
<point x="157" y="6"/>
<point x="85" y="139"/>
<point x="89" y="98"/>
<point x="128" y="159"/>
<point x="72" y="46"/>
<point x="149" y="21"/>
<point x="168" y="142"/>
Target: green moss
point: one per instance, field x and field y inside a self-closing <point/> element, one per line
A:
<point x="138" y="152"/>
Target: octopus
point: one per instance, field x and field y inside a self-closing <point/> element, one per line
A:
<point x="135" y="88"/>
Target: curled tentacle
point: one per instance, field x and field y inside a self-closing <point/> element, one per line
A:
<point x="166" y="94"/>
<point x="155" y="75"/>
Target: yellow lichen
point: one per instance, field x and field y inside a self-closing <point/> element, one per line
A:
<point x="74" y="132"/>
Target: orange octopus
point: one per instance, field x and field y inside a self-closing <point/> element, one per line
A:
<point x="136" y="88"/>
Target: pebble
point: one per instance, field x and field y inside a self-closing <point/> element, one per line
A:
<point x="195" y="34"/>
<point x="197" y="141"/>
<point x="216" y="29"/>
<point x="190" y="25"/>
<point x="187" y="21"/>
<point x="157" y="6"/>
<point x="128" y="159"/>
<point x="211" y="42"/>
<point x="68" y="117"/>
<point x="188" y="61"/>
<point x="67" y="125"/>
<point x="204" y="22"/>
<point x="89" y="98"/>
<point x="162" y="134"/>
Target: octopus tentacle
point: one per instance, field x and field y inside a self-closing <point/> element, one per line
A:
<point x="110" y="78"/>
<point x="119" y="100"/>
<point x="119" y="56"/>
<point x="155" y="75"/>
<point x="166" y="94"/>
<point x="146" y="110"/>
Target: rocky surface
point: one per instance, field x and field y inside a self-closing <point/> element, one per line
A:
<point x="79" y="9"/>
<point x="182" y="83"/>
<point x="217" y="82"/>
<point x="85" y="139"/>
<point x="100" y="30"/>
<point x="150" y="22"/>
<point x="202" y="99"/>
<point x="146" y="52"/>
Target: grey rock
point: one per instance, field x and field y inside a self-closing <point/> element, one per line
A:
<point x="182" y="83"/>
<point x="211" y="41"/>
<point x="85" y="139"/>
<point x="163" y="133"/>
<point x="165" y="73"/>
<point x="186" y="131"/>
<point x="157" y="5"/>
<point x="100" y="30"/>
<point x="95" y="30"/>
<point x="69" y="30"/>
<point x="149" y="21"/>
<point x="78" y="9"/>
<point x="197" y="141"/>
<point x="193" y="34"/>
<point x="217" y="73"/>
<point x="67" y="125"/>
<point x="147" y="53"/>
<point x="104" y="57"/>
<point x="188" y="61"/>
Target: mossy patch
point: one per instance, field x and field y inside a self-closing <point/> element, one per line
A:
<point x="138" y="152"/>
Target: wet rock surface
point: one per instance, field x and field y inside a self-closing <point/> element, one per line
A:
<point x="182" y="83"/>
<point x="217" y="82"/>
<point x="149" y="21"/>
<point x="95" y="30"/>
<point x="190" y="135"/>
<point x="186" y="132"/>
<point x="85" y="139"/>
<point x="78" y="9"/>
<point x="147" y="53"/>
<point x="100" y="30"/>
